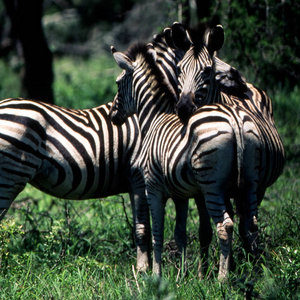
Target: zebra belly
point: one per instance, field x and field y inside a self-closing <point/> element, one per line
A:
<point x="76" y="182"/>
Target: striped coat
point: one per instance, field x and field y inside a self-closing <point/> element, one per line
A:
<point x="71" y="154"/>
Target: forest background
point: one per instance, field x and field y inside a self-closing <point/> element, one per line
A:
<point x="59" y="51"/>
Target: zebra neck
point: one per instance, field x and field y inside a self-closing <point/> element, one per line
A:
<point x="152" y="93"/>
<point x="152" y="109"/>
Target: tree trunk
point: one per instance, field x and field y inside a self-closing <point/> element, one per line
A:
<point x="37" y="76"/>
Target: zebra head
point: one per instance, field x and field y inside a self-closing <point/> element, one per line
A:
<point x="122" y="105"/>
<point x="131" y="82"/>
<point x="197" y="85"/>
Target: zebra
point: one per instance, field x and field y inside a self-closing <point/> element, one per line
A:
<point x="199" y="159"/>
<point x="197" y="87"/>
<point x="72" y="154"/>
<point x="228" y="80"/>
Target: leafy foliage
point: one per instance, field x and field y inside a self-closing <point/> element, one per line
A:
<point x="262" y="39"/>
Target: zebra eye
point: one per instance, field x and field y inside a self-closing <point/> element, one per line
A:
<point x="206" y="72"/>
<point x="201" y="93"/>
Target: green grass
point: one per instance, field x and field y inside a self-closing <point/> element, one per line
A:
<point x="56" y="249"/>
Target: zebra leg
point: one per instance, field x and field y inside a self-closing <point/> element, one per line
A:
<point x="205" y="235"/>
<point x="253" y="158"/>
<point x="4" y="206"/>
<point x="180" y="229"/>
<point x="216" y="206"/>
<point x="213" y="191"/>
<point x="9" y="190"/>
<point x="157" y="203"/>
<point x="248" y="227"/>
<point x="141" y="219"/>
<point x="224" y="231"/>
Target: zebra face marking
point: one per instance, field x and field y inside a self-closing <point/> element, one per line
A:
<point x="197" y="78"/>
<point x="195" y="81"/>
<point x="124" y="104"/>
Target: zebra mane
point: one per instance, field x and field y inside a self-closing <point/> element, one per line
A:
<point x="159" y="38"/>
<point x="161" y="85"/>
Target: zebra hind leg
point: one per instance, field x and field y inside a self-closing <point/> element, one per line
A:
<point x="215" y="203"/>
<point x="10" y="187"/>
<point x="8" y="194"/>
<point x="4" y="206"/>
<point x="248" y="227"/>
<point x="224" y="231"/>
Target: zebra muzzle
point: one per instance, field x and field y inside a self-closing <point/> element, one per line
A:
<point x="186" y="106"/>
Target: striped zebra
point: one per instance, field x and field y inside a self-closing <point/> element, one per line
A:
<point x="200" y="159"/>
<point x="72" y="154"/>
<point x="167" y="59"/>
<point x="197" y="87"/>
<point x="228" y="80"/>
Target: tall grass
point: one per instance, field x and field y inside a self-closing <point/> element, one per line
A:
<point x="56" y="249"/>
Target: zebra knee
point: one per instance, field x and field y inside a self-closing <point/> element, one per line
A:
<point x="253" y="226"/>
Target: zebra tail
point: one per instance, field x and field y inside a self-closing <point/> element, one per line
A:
<point x="237" y="126"/>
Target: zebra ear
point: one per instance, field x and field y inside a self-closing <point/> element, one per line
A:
<point x="214" y="39"/>
<point x="123" y="61"/>
<point x="181" y="37"/>
<point x="168" y="37"/>
<point x="151" y="50"/>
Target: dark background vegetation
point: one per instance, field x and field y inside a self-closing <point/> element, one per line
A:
<point x="262" y="37"/>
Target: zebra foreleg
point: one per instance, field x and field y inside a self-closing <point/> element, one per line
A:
<point x="157" y="203"/>
<point x="180" y="230"/>
<point x="205" y="235"/>
<point x="141" y="219"/>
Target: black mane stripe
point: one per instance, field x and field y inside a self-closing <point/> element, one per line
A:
<point x="161" y="82"/>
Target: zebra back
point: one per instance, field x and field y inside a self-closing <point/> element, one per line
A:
<point x="68" y="153"/>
